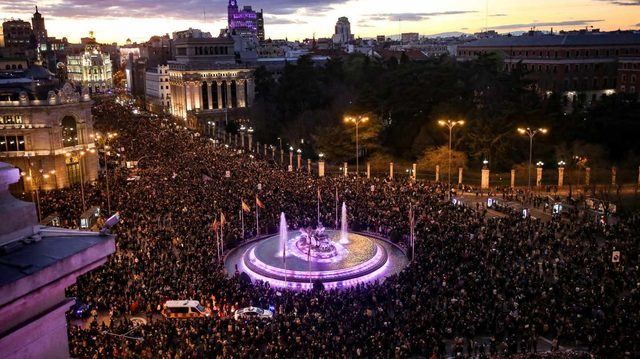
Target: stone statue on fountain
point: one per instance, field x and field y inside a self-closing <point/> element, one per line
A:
<point x="316" y="242"/>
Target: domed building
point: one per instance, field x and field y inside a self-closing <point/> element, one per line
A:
<point x="91" y="69"/>
<point x="46" y="130"/>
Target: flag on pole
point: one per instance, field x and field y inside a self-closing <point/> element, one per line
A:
<point x="223" y="219"/>
<point x="215" y="226"/>
<point x="245" y="207"/>
<point x="259" y="203"/>
<point x="319" y="197"/>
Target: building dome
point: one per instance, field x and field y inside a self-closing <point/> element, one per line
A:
<point x="37" y="72"/>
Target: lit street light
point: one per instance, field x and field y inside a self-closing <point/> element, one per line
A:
<point x="531" y="133"/>
<point x="357" y="120"/>
<point x="450" y="124"/>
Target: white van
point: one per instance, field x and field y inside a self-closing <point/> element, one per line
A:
<point x="184" y="309"/>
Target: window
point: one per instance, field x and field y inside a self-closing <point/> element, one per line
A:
<point x="69" y="132"/>
<point x="12" y="143"/>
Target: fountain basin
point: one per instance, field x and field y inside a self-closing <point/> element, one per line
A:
<point x="363" y="259"/>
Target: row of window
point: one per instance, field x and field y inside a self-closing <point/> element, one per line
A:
<point x="11" y="143"/>
<point x="10" y="119"/>
<point x="13" y="67"/>
<point x="633" y="78"/>
<point x="630" y="65"/>
<point x="212" y="50"/>
<point x="632" y="89"/>
<point x="583" y="53"/>
<point x="554" y="68"/>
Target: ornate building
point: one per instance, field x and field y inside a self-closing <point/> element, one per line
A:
<point x="206" y="83"/>
<point x="91" y="69"/>
<point x="46" y="131"/>
<point x="245" y="21"/>
<point x="570" y="64"/>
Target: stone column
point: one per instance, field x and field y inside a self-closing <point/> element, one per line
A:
<point x="484" y="182"/>
<point x="587" y="176"/>
<point x="437" y="173"/>
<point x="251" y="142"/>
<point x="281" y="156"/>
<point x="345" y="169"/>
<point x="460" y="175"/>
<point x="560" y="176"/>
<point x="197" y="95"/>
<point x="415" y="171"/>
<point x="242" y="139"/>
<point x="265" y="150"/>
<point x="209" y="95"/>
<point x="308" y="165"/>
<point x="240" y="85"/>
<point x="189" y="96"/>
<point x="299" y="161"/>
<point x="614" y="175"/>
<point x="368" y="170"/>
<point x="229" y="102"/>
<point x="219" y="90"/>
<point x="321" y="168"/>
<point x="391" y="170"/>
<point x="638" y="175"/>
<point x="513" y="178"/>
<point x="290" y="161"/>
<point x="250" y="92"/>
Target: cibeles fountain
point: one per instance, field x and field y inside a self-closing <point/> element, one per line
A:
<point x="296" y="259"/>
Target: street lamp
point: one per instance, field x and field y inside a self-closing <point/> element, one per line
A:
<point x="104" y="142"/>
<point x="357" y="120"/>
<point x="531" y="133"/>
<point x="450" y="125"/>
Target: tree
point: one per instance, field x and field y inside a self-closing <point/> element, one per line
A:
<point x="439" y="156"/>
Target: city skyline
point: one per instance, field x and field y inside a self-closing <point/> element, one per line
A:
<point x="296" y="20"/>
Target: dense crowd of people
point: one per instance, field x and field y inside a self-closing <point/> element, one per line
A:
<point x="477" y="286"/>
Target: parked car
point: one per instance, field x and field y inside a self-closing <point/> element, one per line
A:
<point x="252" y="312"/>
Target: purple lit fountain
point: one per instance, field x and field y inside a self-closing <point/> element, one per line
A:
<point x="296" y="259"/>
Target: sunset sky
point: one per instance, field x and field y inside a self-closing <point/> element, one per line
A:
<point x="117" y="20"/>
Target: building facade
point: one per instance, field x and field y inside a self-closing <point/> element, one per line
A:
<point x="158" y="89"/>
<point x="17" y="33"/>
<point x="245" y="21"/>
<point x="569" y="64"/>
<point x="206" y="82"/>
<point x="91" y="69"/>
<point x="49" y="139"/>
<point x="342" y="34"/>
<point x="629" y="75"/>
<point x="410" y="37"/>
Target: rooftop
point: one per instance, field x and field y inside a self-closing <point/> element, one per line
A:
<point x="586" y="39"/>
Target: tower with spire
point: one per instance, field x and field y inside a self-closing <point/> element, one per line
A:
<point x="39" y="30"/>
<point x="232" y="10"/>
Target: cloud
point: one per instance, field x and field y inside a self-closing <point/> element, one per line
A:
<point x="409" y="16"/>
<point x="545" y="24"/>
<point x="278" y="20"/>
<point x="497" y="15"/>
<point x="623" y="2"/>
<point x="185" y="9"/>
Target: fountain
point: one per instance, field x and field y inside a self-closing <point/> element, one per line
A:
<point x="282" y="243"/>
<point x="344" y="226"/>
<point x="296" y="259"/>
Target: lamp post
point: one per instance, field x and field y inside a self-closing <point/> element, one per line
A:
<point x="450" y="125"/>
<point x="104" y="142"/>
<point x="290" y="158"/>
<point x="357" y="120"/>
<point x="531" y="133"/>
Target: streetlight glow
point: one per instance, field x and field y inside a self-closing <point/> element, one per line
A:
<point x="357" y="121"/>
<point x="450" y="125"/>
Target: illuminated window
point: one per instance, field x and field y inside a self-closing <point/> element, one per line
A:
<point x="69" y="132"/>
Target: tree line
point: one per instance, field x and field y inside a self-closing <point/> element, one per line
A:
<point x="306" y="103"/>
